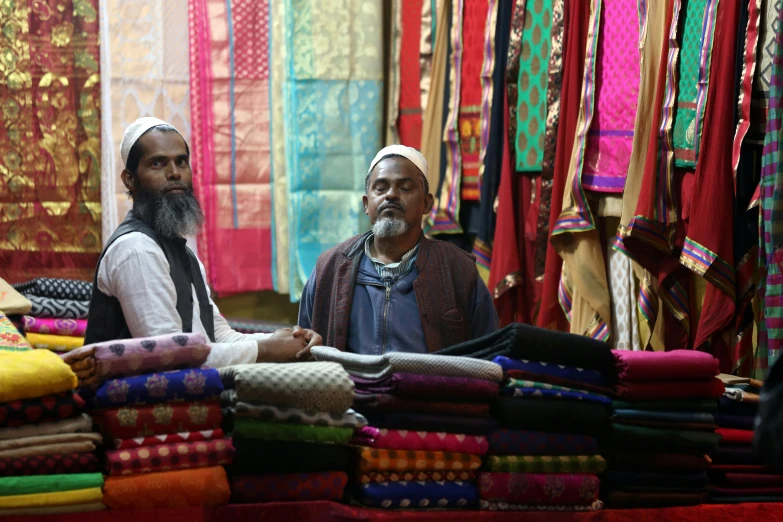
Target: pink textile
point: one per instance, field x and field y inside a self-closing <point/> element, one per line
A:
<point x="422" y="441"/>
<point x="562" y="489"/>
<point x="231" y="153"/>
<point x="665" y="366"/>
<point x="616" y="92"/>
<point x="69" y="327"/>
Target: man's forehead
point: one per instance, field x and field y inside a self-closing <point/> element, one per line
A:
<point x="158" y="142"/>
<point x="396" y="166"/>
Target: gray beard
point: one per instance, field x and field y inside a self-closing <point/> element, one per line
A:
<point x="170" y="215"/>
<point x="389" y="227"/>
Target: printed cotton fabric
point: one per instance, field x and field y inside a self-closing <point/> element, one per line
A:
<point x="486" y="505"/>
<point x="141" y="421"/>
<point x="323" y="387"/>
<point x="57" y="288"/>
<point x="417" y="476"/>
<point x="182" y="385"/>
<point x="572" y="373"/>
<point x="41" y="325"/>
<point x="56" y="463"/>
<point x="168" y="438"/>
<point x="410" y="385"/>
<point x="49" y="483"/>
<point x="349" y="419"/>
<point x="10" y="337"/>
<point x="289" y="487"/>
<point x="510" y="442"/>
<point x="408" y="495"/>
<point x="429" y="441"/>
<point x="33" y="373"/>
<point x="547" y="464"/>
<point x="58" y="308"/>
<point x="170" y="489"/>
<point x="165" y="457"/>
<point x="55" y="343"/>
<point x="255" y="429"/>
<point x="532" y="488"/>
<point x="400" y="460"/>
<point x="42" y="409"/>
<point x="532" y="389"/>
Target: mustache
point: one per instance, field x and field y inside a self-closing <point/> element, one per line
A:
<point x="174" y="186"/>
<point x="398" y="206"/>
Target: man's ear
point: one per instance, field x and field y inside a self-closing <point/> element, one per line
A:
<point x="429" y="202"/>
<point x="128" y="180"/>
<point x="365" y="202"/>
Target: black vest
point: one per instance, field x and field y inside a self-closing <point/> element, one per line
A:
<point x="105" y="321"/>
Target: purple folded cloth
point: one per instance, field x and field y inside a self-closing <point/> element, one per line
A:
<point x="428" y="387"/>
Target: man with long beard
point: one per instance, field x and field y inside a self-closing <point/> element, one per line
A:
<point x="148" y="282"/>
<point x="393" y="289"/>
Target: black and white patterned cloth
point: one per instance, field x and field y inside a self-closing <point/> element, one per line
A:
<point x="56" y="288"/>
<point x="58" y="308"/>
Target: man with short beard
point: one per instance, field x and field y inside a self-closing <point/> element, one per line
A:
<point x="148" y="282"/>
<point x="393" y="289"/>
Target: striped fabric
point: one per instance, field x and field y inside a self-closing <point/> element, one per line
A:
<point x="396" y="270"/>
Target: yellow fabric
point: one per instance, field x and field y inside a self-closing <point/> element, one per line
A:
<point x="61" y="498"/>
<point x="57" y="343"/>
<point x="54" y="510"/>
<point x="34" y="373"/>
<point x="11" y="301"/>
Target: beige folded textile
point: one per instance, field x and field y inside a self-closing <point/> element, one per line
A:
<point x="49" y="449"/>
<point x="80" y="424"/>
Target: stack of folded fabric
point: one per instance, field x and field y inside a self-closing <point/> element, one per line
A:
<point x="48" y="461"/>
<point x="737" y="474"/>
<point x="663" y="429"/>
<point x="58" y="316"/>
<point x="429" y="417"/>
<point x="13" y="306"/>
<point x="291" y="428"/>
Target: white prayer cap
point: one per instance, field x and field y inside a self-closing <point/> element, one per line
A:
<point x="135" y="130"/>
<point x="415" y="157"/>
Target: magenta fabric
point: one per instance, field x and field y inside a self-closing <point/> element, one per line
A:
<point x="425" y="387"/>
<point x="564" y="489"/>
<point x="422" y="441"/>
<point x="68" y="327"/>
<point x="688" y="365"/>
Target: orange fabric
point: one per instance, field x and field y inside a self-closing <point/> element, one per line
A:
<point x="170" y="489"/>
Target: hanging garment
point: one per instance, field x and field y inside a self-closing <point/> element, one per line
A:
<point x="518" y="17"/>
<point x="406" y="43"/>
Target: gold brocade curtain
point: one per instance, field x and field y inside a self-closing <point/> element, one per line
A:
<point x="50" y="211"/>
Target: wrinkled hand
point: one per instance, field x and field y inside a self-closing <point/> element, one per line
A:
<point x="282" y="346"/>
<point x="312" y="339"/>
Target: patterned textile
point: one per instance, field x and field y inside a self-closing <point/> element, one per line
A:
<point x="229" y="106"/>
<point x="674" y="389"/>
<point x="406" y="495"/>
<point x="417" y="476"/>
<point x="172" y="489"/>
<point x="165" y="457"/>
<point x="433" y="422"/>
<point x="610" y="138"/>
<point x="58" y="308"/>
<point x="57" y="288"/>
<point x="326" y="173"/>
<point x="10" y="338"/>
<point x="62" y="498"/>
<point x="565" y="372"/>
<point x="379" y="403"/>
<point x="50" y="464"/>
<point x="428" y="441"/>
<point x="141" y="421"/>
<point x="291" y="487"/>
<point x="548" y="379"/>
<point x="41" y="409"/>
<point x="378" y="366"/>
<point x="405" y="118"/>
<point x="255" y="429"/>
<point x="547" y="464"/>
<point x="33" y="373"/>
<point x="11" y="301"/>
<point x="55" y="343"/>
<point x="401" y="460"/>
<point x="49" y="483"/>
<point x="532" y="86"/>
<point x="625" y="297"/>
<point x="532" y="488"/>
<point x="323" y="387"/>
<point x="517" y="388"/>
<point x="70" y="327"/>
<point x="349" y="419"/>
<point x="168" y="438"/>
<point x="131" y="357"/>
<point x="51" y="223"/>
<point x="487" y="505"/>
<point x="431" y="386"/>
<point x="661" y="366"/>
<point x="154" y="388"/>
<point x="80" y="424"/>
<point x="511" y="442"/>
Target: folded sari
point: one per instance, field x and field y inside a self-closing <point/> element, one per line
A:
<point x="627" y="500"/>
<point x="727" y="406"/>
<point x="675" y="365"/>
<point x="140" y="421"/>
<point x="170" y="489"/>
<point x="428" y="387"/>
<point x="379" y="403"/>
<point x="256" y="429"/>
<point x="546" y="464"/>
<point x="56" y="288"/>
<point x="11" y="339"/>
<point x="349" y="419"/>
<point x="533" y="488"/>
<point x="623" y="479"/>
<point x="47" y="307"/>
<point x="687" y="405"/>
<point x="41" y="409"/>
<point x="84" y="446"/>
<point x="168" y="438"/>
<point x="531" y="389"/>
<point x="559" y="381"/>
<point x="129" y="357"/>
<point x="635" y="459"/>
<point x="521" y="442"/>
<point x="166" y="457"/>
<point x="60" y="498"/>
<point x="693" y="441"/>
<point x="40" y="440"/>
<point x="433" y="422"/>
<point x="181" y="385"/>
<point x="33" y="373"/>
<point x="57" y="463"/>
<point x="408" y="495"/>
<point x="670" y="416"/>
<point x="732" y="436"/>
<point x="553" y="415"/>
<point x="428" y="441"/>
<point x="288" y="487"/>
<point x="487" y="505"/>
<point x="49" y="483"/>
<point x="321" y="386"/>
<point x="417" y="476"/>
<point x="55" y="343"/>
<point x="87" y="507"/>
<point x="69" y="327"/>
<point x="400" y="460"/>
<point x="656" y="390"/>
<point x="572" y="373"/>
<point x="737" y="422"/>
<point x="379" y="366"/>
<point x="252" y="458"/>
<point x="747" y="480"/>
<point x="80" y="424"/>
